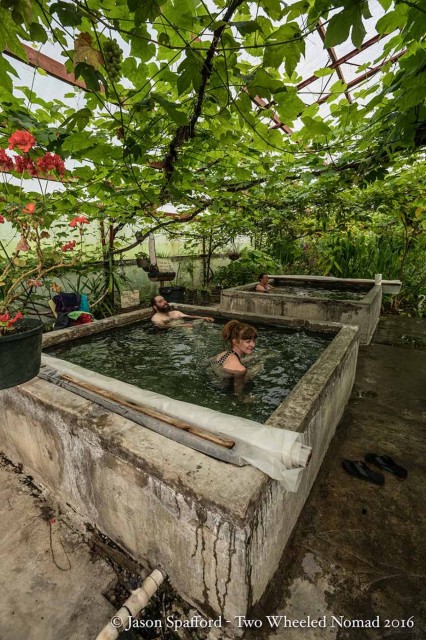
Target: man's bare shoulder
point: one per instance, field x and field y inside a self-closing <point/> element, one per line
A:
<point x="160" y="319"/>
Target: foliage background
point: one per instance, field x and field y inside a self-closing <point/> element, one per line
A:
<point x="169" y="115"/>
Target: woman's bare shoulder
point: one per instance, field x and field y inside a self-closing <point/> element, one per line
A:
<point x="233" y="365"/>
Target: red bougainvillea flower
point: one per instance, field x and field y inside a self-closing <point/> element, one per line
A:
<point x="23" y="140"/>
<point x="29" y="208"/>
<point x="22" y="245"/>
<point x="6" y="320"/>
<point x="69" y="246"/>
<point x="6" y="163"/>
<point x="79" y="220"/>
<point x="51" y="162"/>
<point x="1" y="220"/>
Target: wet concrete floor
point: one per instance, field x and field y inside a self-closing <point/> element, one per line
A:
<point x="358" y="552"/>
<point x="51" y="585"/>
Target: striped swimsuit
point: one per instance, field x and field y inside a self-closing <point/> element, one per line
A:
<point x="226" y="355"/>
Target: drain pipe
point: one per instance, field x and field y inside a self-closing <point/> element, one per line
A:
<point x="133" y="605"/>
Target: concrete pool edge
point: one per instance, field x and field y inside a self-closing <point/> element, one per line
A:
<point x="363" y="313"/>
<point x="218" y="531"/>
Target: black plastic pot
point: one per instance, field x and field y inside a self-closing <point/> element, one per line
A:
<point x="173" y="294"/>
<point x="20" y="353"/>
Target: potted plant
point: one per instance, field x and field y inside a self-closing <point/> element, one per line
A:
<point x="24" y="268"/>
<point x="142" y="261"/>
<point x="234" y="254"/>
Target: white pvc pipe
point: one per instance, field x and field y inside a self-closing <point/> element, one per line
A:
<point x="133" y="605"/>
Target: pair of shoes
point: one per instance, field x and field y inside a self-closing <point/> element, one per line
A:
<point x="358" y="468"/>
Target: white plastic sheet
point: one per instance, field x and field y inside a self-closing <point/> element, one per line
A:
<point x="277" y="452"/>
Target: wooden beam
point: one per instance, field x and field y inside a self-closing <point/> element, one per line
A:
<point x="260" y="102"/>
<point x="174" y="422"/>
<point x="333" y="58"/>
<point x="341" y="60"/>
<point x="50" y="66"/>
<point x="366" y="74"/>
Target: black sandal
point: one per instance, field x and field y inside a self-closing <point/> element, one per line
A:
<point x="387" y="464"/>
<point x="359" y="469"/>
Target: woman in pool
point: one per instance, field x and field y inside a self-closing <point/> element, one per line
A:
<point x="241" y="338"/>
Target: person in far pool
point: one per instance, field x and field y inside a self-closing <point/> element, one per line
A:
<point x="263" y="285"/>
<point x="165" y="316"/>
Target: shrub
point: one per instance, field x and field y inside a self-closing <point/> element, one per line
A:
<point x="246" y="269"/>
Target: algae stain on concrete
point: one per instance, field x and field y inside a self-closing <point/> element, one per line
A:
<point x="307" y="597"/>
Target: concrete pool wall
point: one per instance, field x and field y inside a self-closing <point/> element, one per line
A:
<point x="363" y="313"/>
<point x="217" y="530"/>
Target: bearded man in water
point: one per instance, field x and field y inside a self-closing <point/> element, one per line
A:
<point x="164" y="314"/>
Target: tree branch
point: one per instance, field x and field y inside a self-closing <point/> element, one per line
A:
<point x="187" y="131"/>
<point x="161" y="225"/>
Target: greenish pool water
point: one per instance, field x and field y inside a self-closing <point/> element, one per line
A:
<point x="319" y="292"/>
<point x="176" y="363"/>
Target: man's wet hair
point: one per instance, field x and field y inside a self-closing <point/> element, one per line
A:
<point x="153" y="304"/>
<point x="261" y="276"/>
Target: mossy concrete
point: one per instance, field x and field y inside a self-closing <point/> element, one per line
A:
<point x="362" y="313"/>
<point x="358" y="550"/>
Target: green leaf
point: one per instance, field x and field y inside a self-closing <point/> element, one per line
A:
<point x="391" y="22"/>
<point x="247" y="26"/>
<point x="164" y="38"/>
<point x="338" y="28"/>
<point x="6" y="69"/>
<point x="315" y="128"/>
<point x="273" y="8"/>
<point x="37" y="33"/>
<point x="324" y="71"/>
<point x="140" y="46"/>
<point x="146" y="11"/>
<point x="284" y="45"/>
<point x="414" y="92"/>
<point x="8" y="35"/>
<point x="91" y="76"/>
<point x="68" y="14"/>
<point x="290" y="106"/>
<point x="189" y="72"/>
<point x="386" y="4"/>
<point x="78" y="142"/>
<point x="177" y="116"/>
<point x="80" y="119"/>
<point x="264" y="84"/>
<point x="358" y="29"/>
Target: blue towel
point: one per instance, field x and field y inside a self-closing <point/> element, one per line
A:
<point x="84" y="303"/>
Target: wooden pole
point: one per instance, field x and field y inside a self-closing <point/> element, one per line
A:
<point x="153" y="413"/>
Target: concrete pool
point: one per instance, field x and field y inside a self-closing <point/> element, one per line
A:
<point x="306" y="297"/>
<point x="217" y="530"/>
<point x="178" y="364"/>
